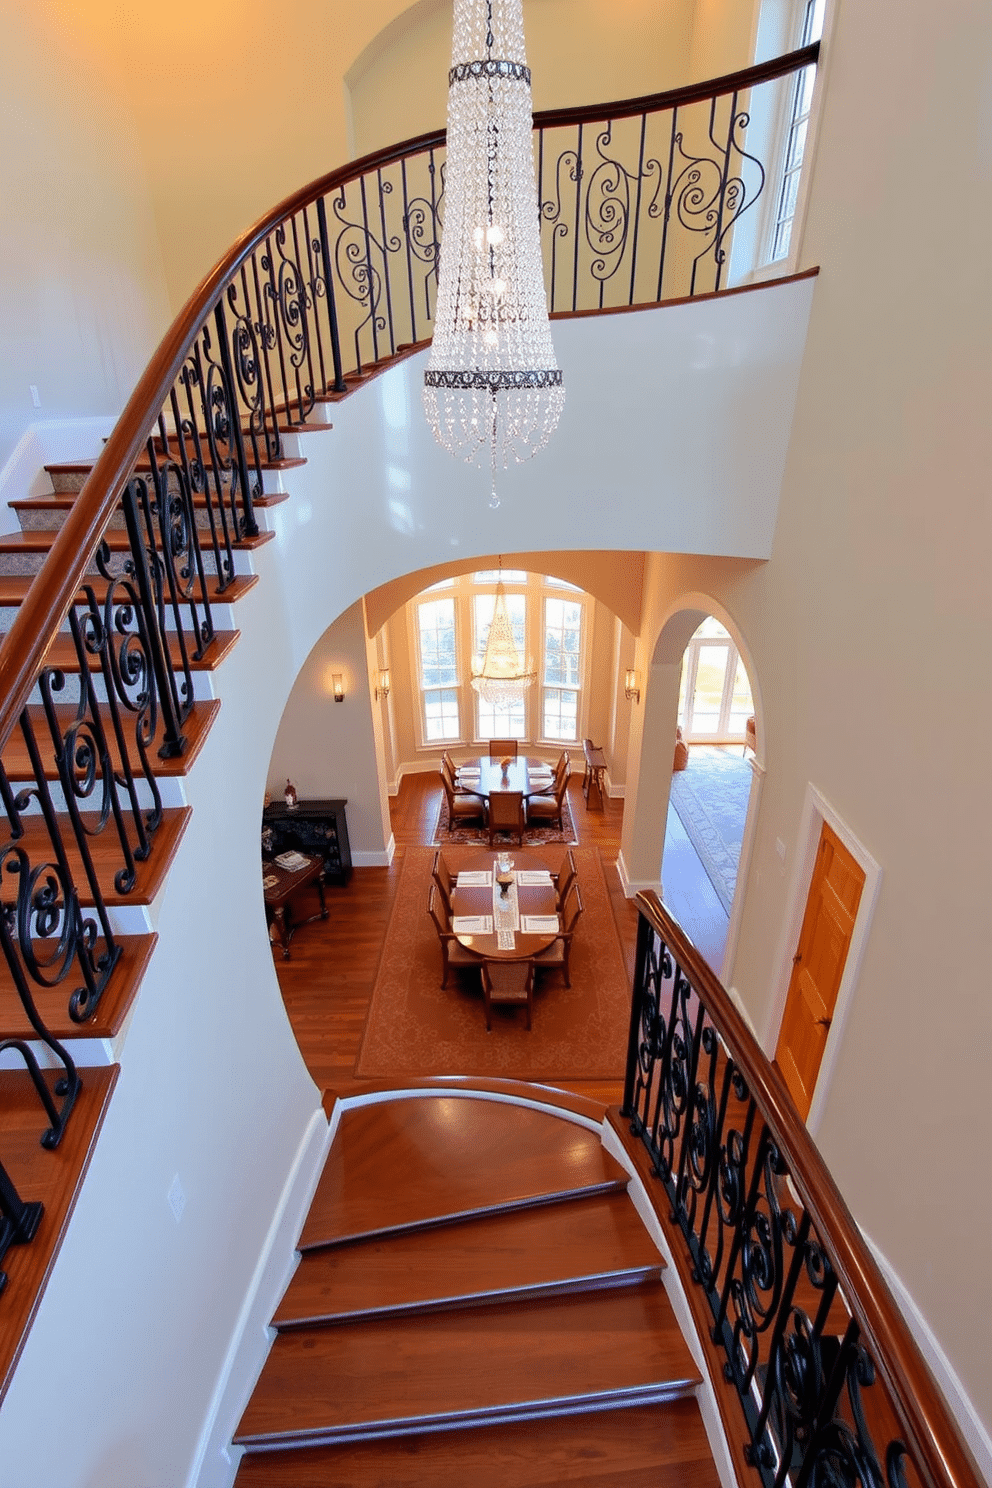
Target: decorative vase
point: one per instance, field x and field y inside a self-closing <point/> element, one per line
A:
<point x="290" y="795"/>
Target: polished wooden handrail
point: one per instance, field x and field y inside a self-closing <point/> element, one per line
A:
<point x="23" y="651"/>
<point x="935" y="1437"/>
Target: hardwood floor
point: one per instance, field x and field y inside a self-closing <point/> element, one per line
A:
<point x="327" y="982"/>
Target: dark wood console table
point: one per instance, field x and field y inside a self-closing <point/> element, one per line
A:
<point x="312" y="827"/>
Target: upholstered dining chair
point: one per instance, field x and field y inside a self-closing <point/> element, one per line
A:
<point x="443" y="877"/>
<point x="556" y="956"/>
<point x="448" y="772"/>
<point x="544" y="811"/>
<point x="501" y="749"/>
<point x="462" y="808"/>
<point x="506" y="814"/>
<point x="453" y="954"/>
<point x="508" y="984"/>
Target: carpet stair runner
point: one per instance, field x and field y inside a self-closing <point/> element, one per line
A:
<point x="477" y="1302"/>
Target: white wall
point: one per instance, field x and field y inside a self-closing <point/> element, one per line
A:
<point x="82" y="288"/>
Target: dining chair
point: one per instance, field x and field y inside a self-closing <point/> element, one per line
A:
<point x="462" y="808"/>
<point x="544" y="811"/>
<point x="564" y="879"/>
<point x="501" y="749"/>
<point x="453" y="953"/>
<point x="556" y="956"/>
<point x="443" y="877"/>
<point x="506" y="814"/>
<point x="448" y="771"/>
<point x="508" y="984"/>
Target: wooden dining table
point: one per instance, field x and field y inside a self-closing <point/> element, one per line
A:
<point x="527" y="774"/>
<point x="505" y="928"/>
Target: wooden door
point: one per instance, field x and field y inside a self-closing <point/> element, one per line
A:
<point x="818" y="966"/>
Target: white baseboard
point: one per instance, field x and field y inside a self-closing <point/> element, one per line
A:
<point x="633" y="886"/>
<point x="215" y="1461"/>
<point x="972" y="1427"/>
<point x="614" y="791"/>
<point x="705" y="1395"/>
<point x="738" y="1002"/>
<point x="381" y="859"/>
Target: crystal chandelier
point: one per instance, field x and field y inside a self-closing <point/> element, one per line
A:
<point x="504" y="674"/>
<point x="492" y="389"/>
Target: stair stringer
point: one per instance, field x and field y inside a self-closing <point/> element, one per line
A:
<point x="672" y="1282"/>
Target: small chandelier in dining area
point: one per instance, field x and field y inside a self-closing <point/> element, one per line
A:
<point x="492" y="389"/>
<point x="504" y="675"/>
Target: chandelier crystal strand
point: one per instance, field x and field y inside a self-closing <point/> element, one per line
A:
<point x="492" y="389"/>
<point x="505" y="674"/>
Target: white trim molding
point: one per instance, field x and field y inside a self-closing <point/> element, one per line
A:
<point x="816" y="811"/>
<point x="953" y="1391"/>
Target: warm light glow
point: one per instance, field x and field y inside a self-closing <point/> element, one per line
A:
<point x="382" y="690"/>
<point x="337" y="682"/>
<point x="632" y="686"/>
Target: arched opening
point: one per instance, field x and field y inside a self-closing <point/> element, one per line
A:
<point x="716" y="774"/>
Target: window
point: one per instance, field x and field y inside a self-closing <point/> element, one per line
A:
<point x="449" y="634"/>
<point x="715" y="698"/>
<point x="562" y="658"/>
<point x="810" y="28"/>
<point x="438" y="668"/>
<point x="492" y="723"/>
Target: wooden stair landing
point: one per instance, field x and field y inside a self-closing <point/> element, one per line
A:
<point x="480" y="1305"/>
<point x="469" y="1157"/>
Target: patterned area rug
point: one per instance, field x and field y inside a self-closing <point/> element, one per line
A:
<point x="711" y="796"/>
<point x="416" y="1028"/>
<point x="479" y="837"/>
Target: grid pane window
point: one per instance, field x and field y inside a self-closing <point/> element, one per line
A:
<point x="562" y="654"/>
<point x="502" y="723"/>
<point x="438" y="668"/>
<point x="561" y="713"/>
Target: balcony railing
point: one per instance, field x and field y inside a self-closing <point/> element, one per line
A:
<point x="639" y="203"/>
<point x="821" y="1378"/>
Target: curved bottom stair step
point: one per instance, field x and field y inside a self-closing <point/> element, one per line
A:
<point x="470" y="1366"/>
<point x="426" y="1160"/>
<point x="664" y="1446"/>
<point x="594" y="1241"/>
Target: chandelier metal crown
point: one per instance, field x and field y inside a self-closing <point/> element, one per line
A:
<point x="492" y="389"/>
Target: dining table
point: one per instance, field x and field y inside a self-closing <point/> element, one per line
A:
<point x="511" y="920"/>
<point x="485" y="777"/>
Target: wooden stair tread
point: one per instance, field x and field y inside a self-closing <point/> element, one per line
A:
<point x="40" y="540"/>
<point x="428" y="1159"/>
<point x="107" y="857"/>
<point x="62" y="652"/>
<point x="14" y="588"/>
<point x="65" y="500"/>
<point x="78" y="467"/>
<point x="470" y="1364"/>
<point x="584" y="1242"/>
<point x="52" y="1003"/>
<point x="54" y="1178"/>
<point x="196" y="727"/>
<point x="664" y="1446"/>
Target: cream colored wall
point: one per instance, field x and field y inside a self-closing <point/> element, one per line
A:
<point x="331" y="749"/>
<point x="579" y="51"/>
<point x="869" y="630"/>
<point x="82" y="292"/>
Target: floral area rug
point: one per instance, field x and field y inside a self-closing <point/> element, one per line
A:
<point x="472" y="836"/>
<point x="711" y="796"/>
<point x="415" y="1027"/>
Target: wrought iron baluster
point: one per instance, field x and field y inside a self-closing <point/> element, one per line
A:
<point x="145" y="558"/>
<point x="316" y="290"/>
<point x="369" y="272"/>
<point x="385" y="189"/>
<point x="579" y="172"/>
<point x="339" y="385"/>
<point x="637" y="210"/>
<point x="18" y="1220"/>
<point x="265" y="340"/>
<point x="674" y="138"/>
<point x="245" y="523"/>
<point x="407" y="232"/>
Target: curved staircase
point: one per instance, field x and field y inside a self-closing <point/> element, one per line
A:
<point x="477" y="1302"/>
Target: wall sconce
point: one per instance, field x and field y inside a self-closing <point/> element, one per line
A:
<point x="632" y="686"/>
<point x="337" y="682"/>
<point x="382" y="691"/>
